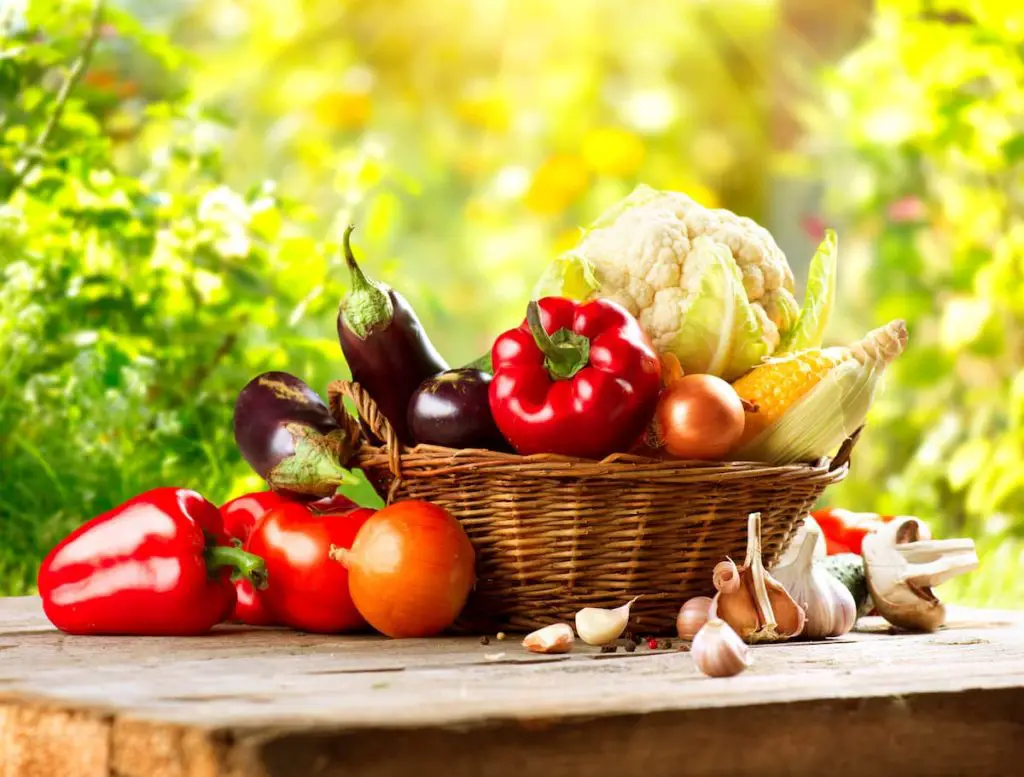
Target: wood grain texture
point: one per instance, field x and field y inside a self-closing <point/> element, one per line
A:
<point x="269" y="702"/>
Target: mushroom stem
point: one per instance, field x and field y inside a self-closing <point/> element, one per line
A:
<point x="902" y="564"/>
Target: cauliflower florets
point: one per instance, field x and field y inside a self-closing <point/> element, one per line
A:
<point x="641" y="256"/>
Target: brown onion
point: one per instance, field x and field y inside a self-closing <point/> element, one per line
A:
<point x="700" y="417"/>
<point x="410" y="569"/>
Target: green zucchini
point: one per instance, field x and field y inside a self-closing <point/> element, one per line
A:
<point x="848" y="569"/>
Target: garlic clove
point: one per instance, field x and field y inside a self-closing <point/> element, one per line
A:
<point x="597" y="626"/>
<point x="738" y="610"/>
<point x="718" y="651"/>
<point x="556" y="638"/>
<point x="790" y="617"/>
<point x="692" y="616"/>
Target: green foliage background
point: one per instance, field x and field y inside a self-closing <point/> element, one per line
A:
<point x="173" y="232"/>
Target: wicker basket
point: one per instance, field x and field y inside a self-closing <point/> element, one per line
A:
<point x="553" y="534"/>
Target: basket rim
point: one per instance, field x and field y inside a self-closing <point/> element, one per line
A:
<point x="440" y="452"/>
<point x="553" y="465"/>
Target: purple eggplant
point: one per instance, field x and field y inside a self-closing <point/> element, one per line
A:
<point x="385" y="345"/>
<point x="453" y="410"/>
<point x="288" y="436"/>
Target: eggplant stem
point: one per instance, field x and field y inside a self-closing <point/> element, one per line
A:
<point x="367" y="304"/>
<point x="359" y="279"/>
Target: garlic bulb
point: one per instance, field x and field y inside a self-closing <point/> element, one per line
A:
<point x="692" y="616"/>
<point x="718" y="651"/>
<point x="556" y="638"/>
<point x="597" y="626"/>
<point x="830" y="609"/>
<point x="750" y="600"/>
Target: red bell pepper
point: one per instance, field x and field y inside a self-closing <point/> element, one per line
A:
<point x="160" y="564"/>
<point x="240" y="517"/>
<point x="309" y="589"/>
<point x="845" y="530"/>
<point x="242" y="513"/>
<point x="574" y="379"/>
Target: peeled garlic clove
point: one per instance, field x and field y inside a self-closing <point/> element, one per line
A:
<point x="692" y="616"/>
<point x="556" y="638"/>
<point x="597" y="626"/>
<point x="718" y="651"/>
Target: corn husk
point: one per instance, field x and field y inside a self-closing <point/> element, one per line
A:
<point x="820" y="420"/>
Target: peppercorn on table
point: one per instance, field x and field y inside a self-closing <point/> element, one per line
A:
<point x="267" y="702"/>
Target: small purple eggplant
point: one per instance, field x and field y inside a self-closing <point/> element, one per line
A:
<point x="453" y="410"/>
<point x="288" y="436"/>
<point x="387" y="350"/>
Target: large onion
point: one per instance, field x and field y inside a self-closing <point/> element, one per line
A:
<point x="699" y="417"/>
<point x="410" y="569"/>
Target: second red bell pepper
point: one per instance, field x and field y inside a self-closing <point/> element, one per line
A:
<point x="845" y="530"/>
<point x="574" y="379"/>
<point x="160" y="564"/>
<point x="240" y="516"/>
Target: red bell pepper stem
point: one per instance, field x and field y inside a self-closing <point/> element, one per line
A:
<point x="243" y="564"/>
<point x="565" y="352"/>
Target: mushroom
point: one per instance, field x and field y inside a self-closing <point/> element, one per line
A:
<point x="902" y="563"/>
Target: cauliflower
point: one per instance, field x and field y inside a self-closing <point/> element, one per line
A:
<point x="709" y="286"/>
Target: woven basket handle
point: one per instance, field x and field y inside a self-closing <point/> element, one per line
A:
<point x="368" y="411"/>
<point x="842" y="458"/>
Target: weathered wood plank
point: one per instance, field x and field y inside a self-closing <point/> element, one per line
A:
<point x="36" y="740"/>
<point x="275" y="702"/>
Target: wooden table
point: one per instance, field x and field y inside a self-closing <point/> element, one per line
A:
<point x="267" y="702"/>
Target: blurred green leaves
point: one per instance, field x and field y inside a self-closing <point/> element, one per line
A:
<point x="147" y="270"/>
<point x="137" y="294"/>
<point x="929" y="112"/>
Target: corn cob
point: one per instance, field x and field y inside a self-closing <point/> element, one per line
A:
<point x="777" y="384"/>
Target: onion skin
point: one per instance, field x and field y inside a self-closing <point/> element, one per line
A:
<point x="699" y="417"/>
<point x="411" y="569"/>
